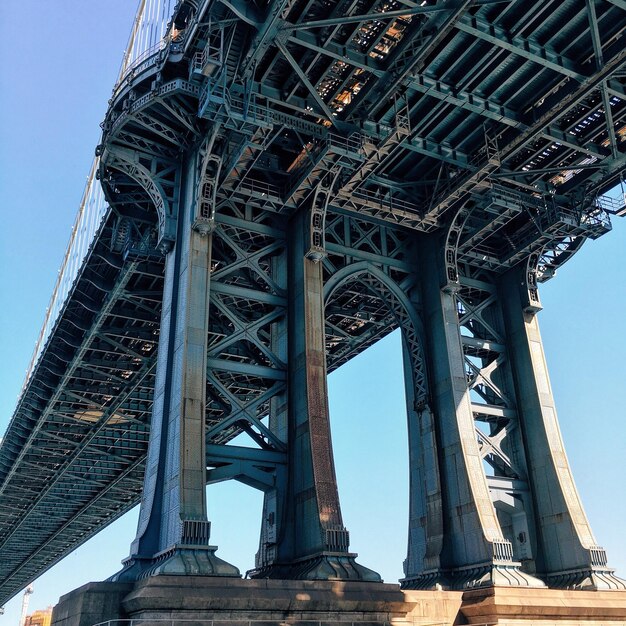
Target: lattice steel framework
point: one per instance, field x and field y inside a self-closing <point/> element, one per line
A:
<point x="289" y="181"/>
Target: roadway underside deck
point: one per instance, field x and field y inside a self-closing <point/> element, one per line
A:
<point x="493" y="125"/>
<point x="73" y="458"/>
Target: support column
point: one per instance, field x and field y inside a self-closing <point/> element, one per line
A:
<point x="275" y="499"/>
<point x="422" y="567"/>
<point x="173" y="531"/>
<point x="312" y="541"/>
<point x="475" y="552"/>
<point x="568" y="555"/>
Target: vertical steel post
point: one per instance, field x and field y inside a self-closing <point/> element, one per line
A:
<point x="313" y="541"/>
<point x="422" y="567"/>
<point x="475" y="552"/>
<point x="568" y="555"/>
<point x="274" y="502"/>
<point x="173" y="532"/>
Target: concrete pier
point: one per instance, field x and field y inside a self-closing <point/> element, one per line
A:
<point x="214" y="601"/>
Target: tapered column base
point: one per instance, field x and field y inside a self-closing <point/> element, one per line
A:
<point x="588" y="579"/>
<point x="321" y="566"/>
<point x="474" y="577"/>
<point x="178" y="561"/>
<point x="432" y="580"/>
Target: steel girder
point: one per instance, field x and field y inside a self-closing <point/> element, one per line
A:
<point x="73" y="455"/>
<point x="430" y="105"/>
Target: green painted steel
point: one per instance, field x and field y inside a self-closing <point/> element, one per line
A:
<point x="287" y="185"/>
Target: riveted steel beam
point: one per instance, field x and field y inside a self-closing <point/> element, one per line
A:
<point x="557" y="105"/>
<point x="307" y="83"/>
<point x="245" y="11"/>
<point x="338" y="52"/>
<point x="597" y="49"/>
<point x="525" y="48"/>
<point x="384" y="15"/>
<point x="465" y="100"/>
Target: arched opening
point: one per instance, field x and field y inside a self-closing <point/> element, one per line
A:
<point x="368" y="424"/>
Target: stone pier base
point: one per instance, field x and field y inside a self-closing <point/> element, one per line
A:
<point x="511" y="606"/>
<point x="205" y="601"/>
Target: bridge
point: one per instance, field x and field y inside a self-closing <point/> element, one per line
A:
<point x="403" y="149"/>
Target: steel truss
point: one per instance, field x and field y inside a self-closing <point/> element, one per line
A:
<point x="412" y="160"/>
<point x="73" y="458"/>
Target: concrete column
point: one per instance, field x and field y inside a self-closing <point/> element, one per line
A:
<point x="173" y="531"/>
<point x="568" y="555"/>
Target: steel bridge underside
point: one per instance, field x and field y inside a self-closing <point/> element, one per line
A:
<point x="83" y="420"/>
<point x="450" y="103"/>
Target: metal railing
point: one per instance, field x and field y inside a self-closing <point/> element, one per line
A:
<point x="260" y="187"/>
<point x="147" y="38"/>
<point x="386" y="202"/>
<point x="614" y="206"/>
<point x="147" y="58"/>
<point x="352" y="144"/>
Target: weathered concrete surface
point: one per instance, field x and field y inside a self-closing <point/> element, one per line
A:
<point x="214" y="601"/>
<point x="431" y="607"/>
<point x="267" y="600"/>
<point x="511" y="606"/>
<point x="90" y="604"/>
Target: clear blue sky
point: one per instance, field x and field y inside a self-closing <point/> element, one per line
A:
<point x="58" y="63"/>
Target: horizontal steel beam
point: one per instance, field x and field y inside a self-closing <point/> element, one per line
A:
<point x="525" y="48"/>
<point x="249" y="369"/>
